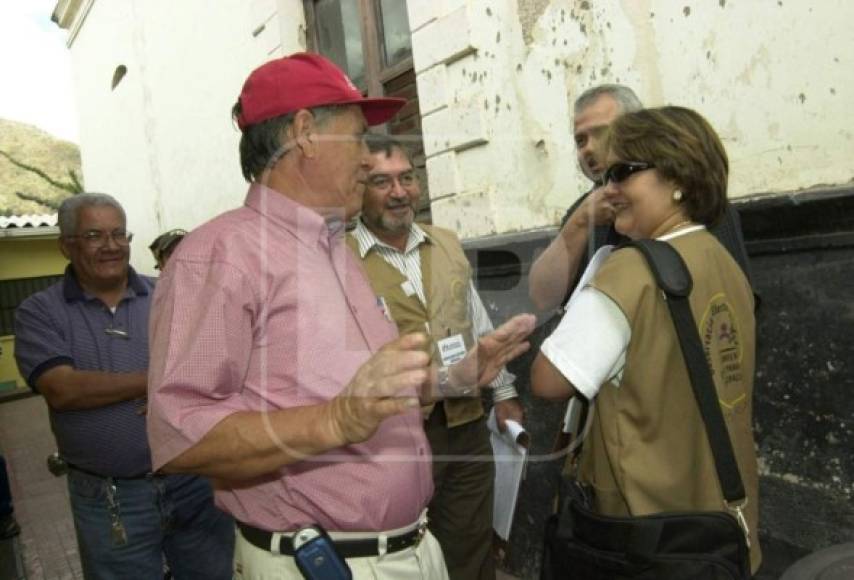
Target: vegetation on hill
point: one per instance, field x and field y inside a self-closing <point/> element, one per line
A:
<point x="37" y="170"/>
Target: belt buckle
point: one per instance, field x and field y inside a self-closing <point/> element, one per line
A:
<point x="422" y="531"/>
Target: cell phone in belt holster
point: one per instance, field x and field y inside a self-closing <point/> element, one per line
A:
<point x="316" y="556"/>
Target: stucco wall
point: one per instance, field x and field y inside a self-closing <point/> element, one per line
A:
<point x="497" y="78"/>
<point x="30" y="258"/>
<point x="162" y="141"/>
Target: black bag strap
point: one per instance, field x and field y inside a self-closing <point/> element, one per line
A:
<point x="672" y="276"/>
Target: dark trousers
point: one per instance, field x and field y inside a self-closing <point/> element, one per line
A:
<point x="460" y="513"/>
<point x="170" y="517"/>
<point x="5" y="492"/>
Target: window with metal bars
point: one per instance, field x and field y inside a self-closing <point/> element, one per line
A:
<point x="13" y="292"/>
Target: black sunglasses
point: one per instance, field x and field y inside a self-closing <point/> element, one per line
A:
<point x="621" y="171"/>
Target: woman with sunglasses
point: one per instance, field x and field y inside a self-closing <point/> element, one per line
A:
<point x="645" y="449"/>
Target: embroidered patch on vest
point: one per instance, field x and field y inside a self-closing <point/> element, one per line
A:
<point x="459" y="290"/>
<point x="721" y="338"/>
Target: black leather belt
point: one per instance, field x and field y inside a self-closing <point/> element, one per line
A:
<point x="347" y="548"/>
<point x="146" y="475"/>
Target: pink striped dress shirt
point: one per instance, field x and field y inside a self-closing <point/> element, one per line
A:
<point x="265" y="308"/>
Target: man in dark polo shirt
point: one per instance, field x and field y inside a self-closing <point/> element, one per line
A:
<point x="83" y="344"/>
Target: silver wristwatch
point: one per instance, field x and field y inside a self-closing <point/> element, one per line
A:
<point x="443" y="375"/>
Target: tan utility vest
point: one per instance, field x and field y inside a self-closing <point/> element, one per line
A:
<point x="647" y="450"/>
<point x="446" y="275"/>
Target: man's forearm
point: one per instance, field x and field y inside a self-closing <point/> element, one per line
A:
<point x="247" y="445"/>
<point x="68" y="389"/>
<point x="553" y="271"/>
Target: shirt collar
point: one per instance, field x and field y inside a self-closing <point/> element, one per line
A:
<point x="72" y="291"/>
<point x="306" y="225"/>
<point x="367" y="240"/>
<point x="682" y="232"/>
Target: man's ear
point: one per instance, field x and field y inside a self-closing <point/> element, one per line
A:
<point x="63" y="247"/>
<point x="303" y="133"/>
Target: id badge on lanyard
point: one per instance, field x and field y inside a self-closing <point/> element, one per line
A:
<point x="451" y="349"/>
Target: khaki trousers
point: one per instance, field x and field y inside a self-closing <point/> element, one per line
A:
<point x="423" y="561"/>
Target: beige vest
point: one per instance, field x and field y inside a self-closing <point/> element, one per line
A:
<point x="446" y="275"/>
<point x="647" y="450"/>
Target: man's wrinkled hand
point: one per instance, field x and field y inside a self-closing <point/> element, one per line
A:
<point x="387" y="384"/>
<point x="493" y="351"/>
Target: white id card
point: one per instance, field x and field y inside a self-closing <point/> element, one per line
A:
<point x="451" y="349"/>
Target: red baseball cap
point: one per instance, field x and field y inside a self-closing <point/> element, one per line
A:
<point x="301" y="81"/>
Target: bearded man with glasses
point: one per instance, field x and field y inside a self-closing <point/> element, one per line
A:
<point x="423" y="283"/>
<point x="83" y="345"/>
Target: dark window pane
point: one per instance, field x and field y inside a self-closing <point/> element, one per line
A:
<point x="397" y="43"/>
<point x="339" y="35"/>
<point x="13" y="292"/>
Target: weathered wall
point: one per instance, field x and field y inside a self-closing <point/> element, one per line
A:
<point x="163" y="141"/>
<point x="497" y="78"/>
<point x="802" y="251"/>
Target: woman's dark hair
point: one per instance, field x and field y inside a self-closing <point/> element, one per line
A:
<point x="261" y="144"/>
<point x="684" y="148"/>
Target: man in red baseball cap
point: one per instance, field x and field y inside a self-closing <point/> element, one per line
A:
<point x="274" y="369"/>
<point x="305" y="81"/>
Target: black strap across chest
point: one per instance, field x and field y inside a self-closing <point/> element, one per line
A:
<point x="672" y="276"/>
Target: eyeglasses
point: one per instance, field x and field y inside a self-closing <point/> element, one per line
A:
<point x="97" y="238"/>
<point x="619" y="172"/>
<point x="385" y="181"/>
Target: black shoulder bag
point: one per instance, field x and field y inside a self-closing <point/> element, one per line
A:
<point x="581" y="544"/>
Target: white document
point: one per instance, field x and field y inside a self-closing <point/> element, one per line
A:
<point x="510" y="450"/>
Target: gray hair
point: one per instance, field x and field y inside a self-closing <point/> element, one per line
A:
<point x="625" y="97"/>
<point x="261" y="144"/>
<point x="70" y="208"/>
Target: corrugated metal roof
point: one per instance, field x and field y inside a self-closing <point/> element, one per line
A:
<point x="28" y="221"/>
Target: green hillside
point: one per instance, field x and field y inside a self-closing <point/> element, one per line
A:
<point x="36" y="148"/>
